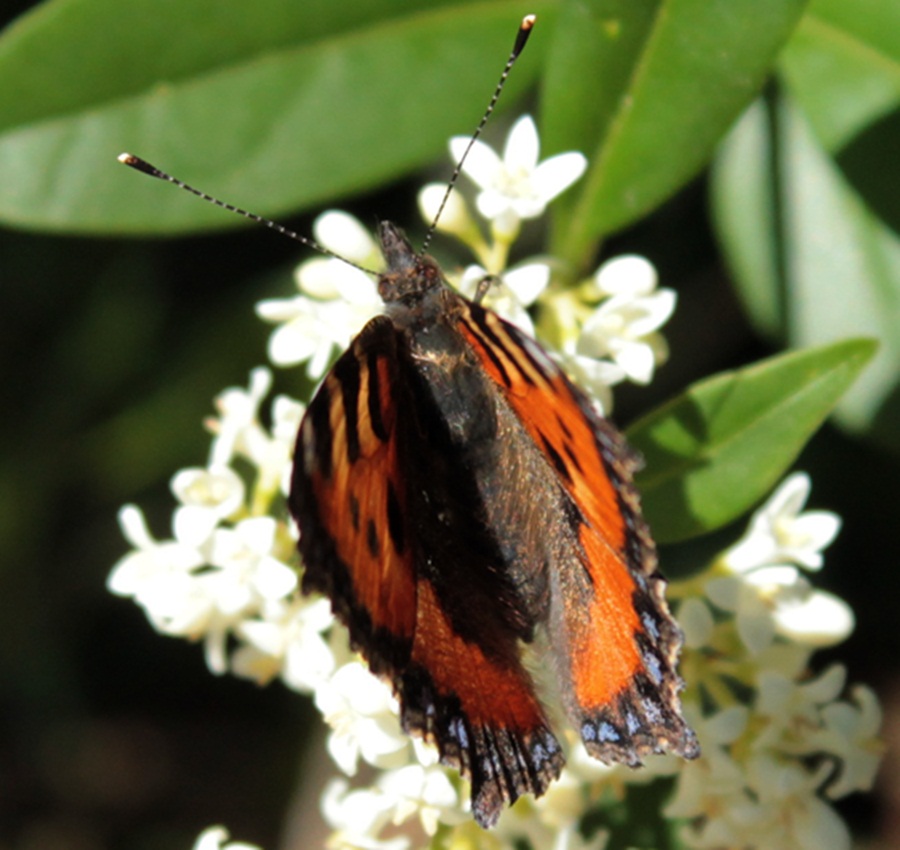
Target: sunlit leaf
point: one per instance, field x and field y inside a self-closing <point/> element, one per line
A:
<point x="716" y="450"/>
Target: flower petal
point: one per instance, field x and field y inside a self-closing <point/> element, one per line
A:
<point x="344" y="235"/>
<point x="482" y="163"/>
<point x="628" y="274"/>
<point x="555" y="175"/>
<point x="822" y="619"/>
<point x="522" y="148"/>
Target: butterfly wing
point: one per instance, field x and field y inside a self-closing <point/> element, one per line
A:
<point x="616" y="643"/>
<point x="348" y="497"/>
<point x="385" y="507"/>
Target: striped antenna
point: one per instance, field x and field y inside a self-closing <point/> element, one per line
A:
<point x="521" y="39"/>
<point x="142" y="165"/>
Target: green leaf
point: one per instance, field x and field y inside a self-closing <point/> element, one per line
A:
<point x="716" y="450"/>
<point x="275" y="105"/>
<point x="842" y="68"/>
<point x="812" y="263"/>
<point x="746" y="217"/>
<point x="646" y="90"/>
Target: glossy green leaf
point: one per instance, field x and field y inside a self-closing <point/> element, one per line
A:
<point x="275" y="105"/>
<point x="716" y="450"/>
<point x="646" y="90"/>
<point x="812" y="262"/>
<point x="743" y="194"/>
<point x="842" y="68"/>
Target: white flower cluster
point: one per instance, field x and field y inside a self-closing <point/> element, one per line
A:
<point x="225" y="573"/>
<point x="775" y="753"/>
<point x="751" y="618"/>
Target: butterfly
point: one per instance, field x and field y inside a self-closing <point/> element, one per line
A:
<point x="456" y="494"/>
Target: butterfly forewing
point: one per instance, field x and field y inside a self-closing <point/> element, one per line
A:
<point x="609" y="625"/>
<point x="348" y="496"/>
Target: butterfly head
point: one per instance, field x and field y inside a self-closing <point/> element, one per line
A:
<point x="410" y="277"/>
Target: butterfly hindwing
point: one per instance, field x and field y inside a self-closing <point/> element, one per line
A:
<point x="479" y="708"/>
<point x="609" y="626"/>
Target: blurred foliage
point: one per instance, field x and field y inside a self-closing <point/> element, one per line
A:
<point x="115" y="339"/>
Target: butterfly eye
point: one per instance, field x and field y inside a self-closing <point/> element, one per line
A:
<point x="430" y="272"/>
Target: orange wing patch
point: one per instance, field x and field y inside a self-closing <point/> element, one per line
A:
<point x="348" y="495"/>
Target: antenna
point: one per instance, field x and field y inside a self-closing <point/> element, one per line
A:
<point x="521" y="38"/>
<point x="142" y="165"/>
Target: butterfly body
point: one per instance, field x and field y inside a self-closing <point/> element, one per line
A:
<point x="455" y="493"/>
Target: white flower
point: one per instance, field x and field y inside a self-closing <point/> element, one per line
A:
<point x="238" y="433"/>
<point x="815" y="618"/>
<point x="753" y="614"/>
<point x="336" y="299"/>
<point x="357" y="816"/>
<point x="211" y="602"/>
<point x="787" y="812"/>
<point x="712" y="786"/>
<point x="243" y="553"/>
<point x="286" y="640"/>
<point x="207" y="497"/>
<point x="780" y="534"/>
<point x="766" y="590"/>
<point x="516" y="187"/>
<point x="363" y="715"/>
<point x="791" y="710"/>
<point x="214" y="837"/>
<point x="624" y="327"/>
<point x="778" y="600"/>
<point x="238" y="422"/>
<point x="424" y="791"/>
<point x="201" y="592"/>
<point x="511" y="293"/>
<point x="455" y="217"/>
<point x="132" y="574"/>
<point x="850" y="734"/>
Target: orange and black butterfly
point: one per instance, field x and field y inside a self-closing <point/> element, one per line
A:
<point x="455" y="492"/>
